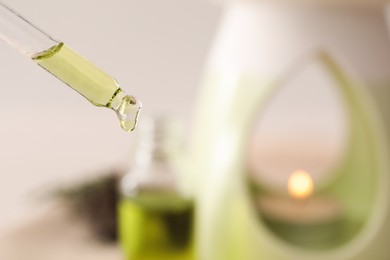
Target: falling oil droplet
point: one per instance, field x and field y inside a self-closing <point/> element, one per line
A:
<point x="127" y="109"/>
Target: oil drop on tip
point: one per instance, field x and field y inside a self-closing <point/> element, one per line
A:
<point x="95" y="85"/>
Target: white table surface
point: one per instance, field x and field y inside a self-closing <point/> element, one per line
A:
<point x="54" y="234"/>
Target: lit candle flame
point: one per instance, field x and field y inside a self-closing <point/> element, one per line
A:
<point x="300" y="185"/>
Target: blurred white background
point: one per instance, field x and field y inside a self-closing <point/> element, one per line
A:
<point x="50" y="135"/>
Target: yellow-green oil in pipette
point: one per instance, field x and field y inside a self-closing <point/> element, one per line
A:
<point x="98" y="87"/>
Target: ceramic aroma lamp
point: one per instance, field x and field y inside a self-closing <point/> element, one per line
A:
<point x="259" y="42"/>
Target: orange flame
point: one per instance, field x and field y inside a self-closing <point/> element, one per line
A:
<point x="300" y="185"/>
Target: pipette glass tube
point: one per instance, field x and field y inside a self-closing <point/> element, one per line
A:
<point x="70" y="67"/>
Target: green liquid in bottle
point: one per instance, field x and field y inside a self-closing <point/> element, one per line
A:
<point x="155" y="227"/>
<point x="88" y="80"/>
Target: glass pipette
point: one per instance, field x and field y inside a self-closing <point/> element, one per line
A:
<point x="70" y="67"/>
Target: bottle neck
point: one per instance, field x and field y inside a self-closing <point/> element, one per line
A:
<point x="157" y="142"/>
<point x="148" y="153"/>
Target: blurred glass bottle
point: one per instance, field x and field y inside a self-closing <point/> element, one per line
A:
<point x="155" y="217"/>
